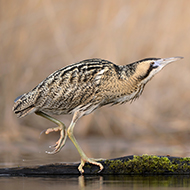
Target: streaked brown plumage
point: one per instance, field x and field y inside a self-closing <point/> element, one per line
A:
<point x="81" y="88"/>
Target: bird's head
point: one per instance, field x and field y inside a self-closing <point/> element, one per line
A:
<point x="147" y="68"/>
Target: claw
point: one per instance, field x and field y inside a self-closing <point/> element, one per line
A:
<point x="60" y="143"/>
<point x="52" y="152"/>
<point x="52" y="146"/>
<point x="91" y="161"/>
<point x="61" y="127"/>
<point x="42" y="132"/>
<point x="100" y="170"/>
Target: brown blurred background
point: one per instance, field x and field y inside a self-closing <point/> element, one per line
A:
<point x="38" y="37"/>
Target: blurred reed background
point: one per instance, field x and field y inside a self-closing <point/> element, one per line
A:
<point x="38" y="37"/>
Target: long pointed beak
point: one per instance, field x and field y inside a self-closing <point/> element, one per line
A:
<point x="163" y="62"/>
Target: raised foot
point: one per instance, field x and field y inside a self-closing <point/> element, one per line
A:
<point x="91" y="161"/>
<point x="61" y="141"/>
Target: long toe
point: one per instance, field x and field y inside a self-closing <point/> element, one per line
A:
<point x="55" y="129"/>
<point x="91" y="161"/>
<point x="61" y="142"/>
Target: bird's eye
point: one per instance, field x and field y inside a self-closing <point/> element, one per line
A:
<point x="152" y="65"/>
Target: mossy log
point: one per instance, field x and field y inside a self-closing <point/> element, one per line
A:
<point x="128" y="165"/>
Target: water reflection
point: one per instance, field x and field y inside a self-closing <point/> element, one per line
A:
<point x="95" y="182"/>
<point x="133" y="182"/>
<point x="25" y="157"/>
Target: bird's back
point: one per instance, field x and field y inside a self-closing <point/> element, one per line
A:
<point x="89" y="84"/>
<point x="83" y="86"/>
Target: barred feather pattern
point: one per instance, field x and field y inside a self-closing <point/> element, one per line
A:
<point x="83" y="87"/>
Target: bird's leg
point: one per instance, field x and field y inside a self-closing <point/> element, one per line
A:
<point x="84" y="158"/>
<point x="61" y="127"/>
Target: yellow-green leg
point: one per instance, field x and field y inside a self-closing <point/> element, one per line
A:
<point x="61" y="127"/>
<point x="84" y="158"/>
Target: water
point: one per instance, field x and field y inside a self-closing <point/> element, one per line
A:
<point x="26" y="155"/>
<point x="95" y="182"/>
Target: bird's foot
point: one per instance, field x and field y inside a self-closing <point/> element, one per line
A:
<point x="61" y="142"/>
<point x="91" y="161"/>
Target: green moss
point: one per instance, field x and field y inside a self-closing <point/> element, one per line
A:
<point x="146" y="164"/>
<point x="186" y="159"/>
<point x="88" y="166"/>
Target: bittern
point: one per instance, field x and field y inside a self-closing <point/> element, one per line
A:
<point x="81" y="88"/>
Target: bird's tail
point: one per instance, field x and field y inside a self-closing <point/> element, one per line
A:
<point x="24" y="104"/>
